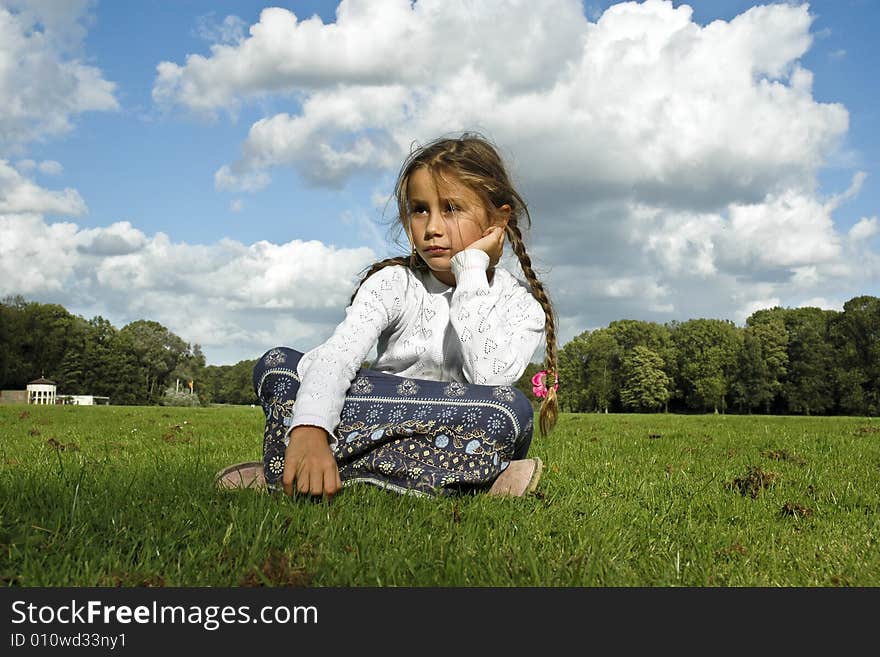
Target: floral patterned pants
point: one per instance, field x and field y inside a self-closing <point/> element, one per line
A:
<point x="408" y="435"/>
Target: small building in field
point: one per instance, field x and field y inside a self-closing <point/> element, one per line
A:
<point x="44" y="392"/>
<point x="83" y="400"/>
<point x="41" y="391"/>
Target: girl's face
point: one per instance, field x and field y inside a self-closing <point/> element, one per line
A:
<point x="445" y="217"/>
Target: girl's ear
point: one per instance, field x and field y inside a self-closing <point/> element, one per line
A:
<point x="501" y="216"/>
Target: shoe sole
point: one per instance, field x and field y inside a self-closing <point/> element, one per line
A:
<point x="536" y="475"/>
<point x="504" y="488"/>
<point x="248" y="475"/>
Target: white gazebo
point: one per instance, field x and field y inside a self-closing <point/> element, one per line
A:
<point x="41" y="391"/>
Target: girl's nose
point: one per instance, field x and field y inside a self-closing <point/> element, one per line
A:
<point x="435" y="224"/>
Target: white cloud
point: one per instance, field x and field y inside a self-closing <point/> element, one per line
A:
<point x="747" y="309"/>
<point x="43" y="82"/>
<point x="50" y="167"/>
<point x="19" y="195"/>
<point x="376" y="43"/>
<point x="231" y="298"/>
<point x="820" y="302"/>
<point x="230" y="30"/>
<point x="226" y="180"/>
<point x="643" y="100"/>
<point x="864" y="229"/>
<point x="785" y="231"/>
<point x="117" y="239"/>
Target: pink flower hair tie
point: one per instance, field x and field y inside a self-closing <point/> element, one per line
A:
<point x="539" y="388"/>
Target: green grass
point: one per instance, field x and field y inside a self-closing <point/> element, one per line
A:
<point x="122" y="496"/>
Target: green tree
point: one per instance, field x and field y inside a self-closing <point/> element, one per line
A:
<point x="191" y="367"/>
<point x="808" y="386"/>
<point x="707" y="351"/>
<point x="645" y="384"/>
<point x="14" y="373"/>
<point x="157" y="352"/>
<point x="572" y="374"/>
<point x="630" y="333"/>
<point x="763" y="362"/>
<point x="602" y="361"/>
<point x="72" y="371"/>
<point x="45" y="332"/>
<point x="855" y="335"/>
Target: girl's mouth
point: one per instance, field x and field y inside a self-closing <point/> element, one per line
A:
<point x="436" y="250"/>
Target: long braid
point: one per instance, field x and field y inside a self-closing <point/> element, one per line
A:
<point x="550" y="405"/>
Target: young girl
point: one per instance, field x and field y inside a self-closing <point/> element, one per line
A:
<point x="437" y="413"/>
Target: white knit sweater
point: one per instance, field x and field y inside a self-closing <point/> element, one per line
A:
<point x="474" y="332"/>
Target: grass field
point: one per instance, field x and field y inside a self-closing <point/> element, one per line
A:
<point x="122" y="496"/>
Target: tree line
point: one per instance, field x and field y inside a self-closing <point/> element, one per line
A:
<point x="142" y="363"/>
<point x="804" y="361"/>
<point x="783" y="361"/>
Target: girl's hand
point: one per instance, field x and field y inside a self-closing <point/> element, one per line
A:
<point x="309" y="464"/>
<point x="492" y="243"/>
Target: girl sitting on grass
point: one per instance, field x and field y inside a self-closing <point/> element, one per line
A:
<point x="437" y="413"/>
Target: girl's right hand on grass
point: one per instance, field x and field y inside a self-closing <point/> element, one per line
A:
<point x="309" y="465"/>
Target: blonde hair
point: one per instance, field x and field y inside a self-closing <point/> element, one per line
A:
<point x="472" y="159"/>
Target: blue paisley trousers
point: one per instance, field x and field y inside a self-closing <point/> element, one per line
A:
<point x="411" y="436"/>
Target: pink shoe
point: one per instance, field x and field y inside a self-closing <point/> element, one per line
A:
<point x="241" y="475"/>
<point x="520" y="477"/>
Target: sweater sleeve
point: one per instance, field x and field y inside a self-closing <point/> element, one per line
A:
<point x="499" y="327"/>
<point x="327" y="371"/>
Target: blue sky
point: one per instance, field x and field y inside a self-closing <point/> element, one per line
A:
<point x="675" y="167"/>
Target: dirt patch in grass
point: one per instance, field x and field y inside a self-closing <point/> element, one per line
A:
<point x="61" y="447"/>
<point x="753" y="482"/>
<point x="796" y="510"/>
<point x="277" y="570"/>
<point x="655" y="436"/>
<point x="24" y="415"/>
<point x="175" y="436"/>
<point x="782" y="455"/>
<point x="132" y="580"/>
<point x="866" y="430"/>
<point x="736" y="548"/>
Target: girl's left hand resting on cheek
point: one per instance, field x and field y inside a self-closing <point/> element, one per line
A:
<point x="492" y="243"/>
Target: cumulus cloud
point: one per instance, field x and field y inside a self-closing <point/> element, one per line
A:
<point x="864" y="229"/>
<point x="21" y="195"/>
<point x="43" y="82"/>
<point x="233" y="299"/>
